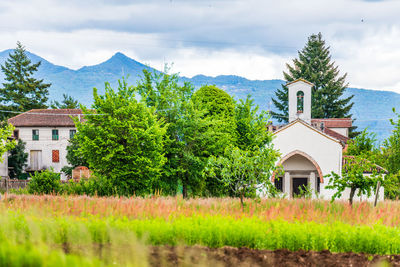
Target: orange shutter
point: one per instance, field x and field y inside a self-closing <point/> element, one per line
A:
<point x="56" y="156"/>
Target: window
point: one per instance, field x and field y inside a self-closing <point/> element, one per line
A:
<point x="318" y="184"/>
<point x="300" y="102"/>
<point x="72" y="133"/>
<point x="35" y="134"/>
<point x="55" y="156"/>
<point x="35" y="160"/>
<point x="279" y="183"/>
<point x="16" y="134"/>
<point x="54" y="134"/>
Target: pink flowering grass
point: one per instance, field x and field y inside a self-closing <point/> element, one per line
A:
<point x="319" y="211"/>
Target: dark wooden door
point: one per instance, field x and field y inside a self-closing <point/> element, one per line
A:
<point x="299" y="183"/>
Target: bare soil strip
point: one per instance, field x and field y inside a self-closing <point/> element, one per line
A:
<point x="232" y="257"/>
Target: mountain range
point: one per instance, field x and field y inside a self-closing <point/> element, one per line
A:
<point x="372" y="108"/>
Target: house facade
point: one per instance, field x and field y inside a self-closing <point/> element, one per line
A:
<point x="310" y="148"/>
<point x="46" y="133"/>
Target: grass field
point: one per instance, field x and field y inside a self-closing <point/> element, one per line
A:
<point x="90" y="231"/>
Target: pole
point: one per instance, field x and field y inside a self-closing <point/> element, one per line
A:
<point x="377" y="192"/>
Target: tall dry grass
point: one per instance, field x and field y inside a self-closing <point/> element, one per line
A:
<point x="297" y="210"/>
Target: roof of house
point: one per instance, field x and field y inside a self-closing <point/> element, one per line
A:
<point x="336" y="135"/>
<point x="45" y="118"/>
<point x="335" y="122"/>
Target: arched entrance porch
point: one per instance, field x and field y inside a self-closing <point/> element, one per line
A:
<point x="300" y="171"/>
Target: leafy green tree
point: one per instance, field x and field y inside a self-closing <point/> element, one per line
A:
<point x="45" y="182"/>
<point x="17" y="160"/>
<point x="391" y="147"/>
<point x="363" y="144"/>
<point x="21" y="91"/>
<point x="219" y="107"/>
<point x="353" y="178"/>
<point x="123" y="140"/>
<point x="6" y="143"/>
<point x="390" y="159"/>
<point x="67" y="103"/>
<point x="245" y="171"/>
<point x="192" y="136"/>
<point x="251" y="125"/>
<point x="314" y="64"/>
<point x="74" y="156"/>
<point x="214" y="101"/>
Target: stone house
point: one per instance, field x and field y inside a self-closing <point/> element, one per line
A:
<point x="46" y="133"/>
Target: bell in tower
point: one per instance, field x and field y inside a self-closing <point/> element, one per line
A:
<point x="299" y="92"/>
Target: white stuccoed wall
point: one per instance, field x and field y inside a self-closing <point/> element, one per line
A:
<point x="342" y="131"/>
<point x="325" y="151"/>
<point x="46" y="145"/>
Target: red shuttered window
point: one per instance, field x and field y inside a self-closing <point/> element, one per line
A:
<point x="56" y="156"/>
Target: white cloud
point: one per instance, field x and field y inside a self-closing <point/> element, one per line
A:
<point x="252" y="38"/>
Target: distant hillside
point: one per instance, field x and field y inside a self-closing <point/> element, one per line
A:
<point x="371" y="108"/>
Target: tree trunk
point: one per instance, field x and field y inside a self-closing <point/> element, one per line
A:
<point x="241" y="201"/>
<point x="352" y="192"/>
<point x="184" y="190"/>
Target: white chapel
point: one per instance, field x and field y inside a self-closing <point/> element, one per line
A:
<point x="309" y="148"/>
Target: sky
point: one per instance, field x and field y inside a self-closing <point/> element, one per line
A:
<point x="250" y="38"/>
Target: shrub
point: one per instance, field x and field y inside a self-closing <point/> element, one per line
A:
<point x="46" y="182"/>
<point x="95" y="186"/>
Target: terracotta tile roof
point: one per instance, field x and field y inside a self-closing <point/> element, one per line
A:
<point x="45" y="118"/>
<point x="334" y="122"/>
<point x="336" y="135"/>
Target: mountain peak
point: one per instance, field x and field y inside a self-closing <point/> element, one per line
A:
<point x="119" y="55"/>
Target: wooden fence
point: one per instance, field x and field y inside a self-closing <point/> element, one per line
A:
<point x="7" y="184"/>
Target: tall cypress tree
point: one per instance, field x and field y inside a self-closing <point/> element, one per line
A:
<point x="21" y="91"/>
<point x="314" y="64"/>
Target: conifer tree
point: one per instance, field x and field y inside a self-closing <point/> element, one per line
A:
<point x="21" y="91"/>
<point x="314" y="65"/>
<point x="67" y="103"/>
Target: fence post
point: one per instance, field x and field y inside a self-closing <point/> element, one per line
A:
<point x="377" y="193"/>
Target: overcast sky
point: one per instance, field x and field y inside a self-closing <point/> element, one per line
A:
<point x="250" y="38"/>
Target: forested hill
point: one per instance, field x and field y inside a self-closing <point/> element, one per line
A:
<point x="371" y="109"/>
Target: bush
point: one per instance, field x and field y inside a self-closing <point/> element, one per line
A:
<point x="46" y="182"/>
<point x="95" y="186"/>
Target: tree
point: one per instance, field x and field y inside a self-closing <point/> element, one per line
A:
<point x="218" y="107"/>
<point x="363" y="144"/>
<point x="251" y="125"/>
<point x="314" y="64"/>
<point x="21" y="91"/>
<point x="74" y="156"/>
<point x="68" y="103"/>
<point x="17" y="160"/>
<point x="390" y="159"/>
<point x="192" y="136"/>
<point x="353" y="178"/>
<point x="244" y="171"/>
<point x="6" y="143"/>
<point x="123" y="140"/>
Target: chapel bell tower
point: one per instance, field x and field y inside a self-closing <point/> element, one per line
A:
<point x="299" y="92"/>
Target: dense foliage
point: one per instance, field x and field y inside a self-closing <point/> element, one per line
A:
<point x="21" y="91"/>
<point x="123" y="140"/>
<point x="17" y="161"/>
<point x="46" y="182"/>
<point x="68" y="102"/>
